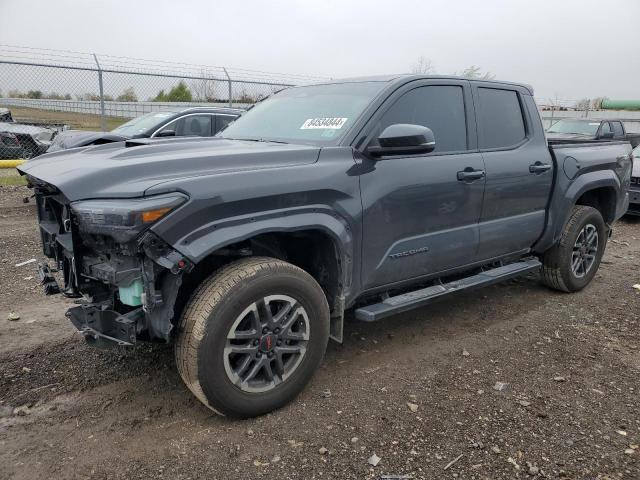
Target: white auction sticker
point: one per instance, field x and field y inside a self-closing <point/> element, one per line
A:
<point x="327" y="122"/>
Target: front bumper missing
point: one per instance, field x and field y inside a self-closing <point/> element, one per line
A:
<point x="106" y="328"/>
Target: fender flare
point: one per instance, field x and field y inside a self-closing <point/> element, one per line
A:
<point x="212" y="236"/>
<point x="582" y="184"/>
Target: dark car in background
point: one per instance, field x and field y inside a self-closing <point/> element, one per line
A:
<point x="581" y="129"/>
<point x="20" y="141"/>
<point x="634" y="187"/>
<point x="10" y="147"/>
<point x="179" y="122"/>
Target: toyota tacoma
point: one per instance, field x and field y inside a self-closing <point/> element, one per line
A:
<point x="376" y="195"/>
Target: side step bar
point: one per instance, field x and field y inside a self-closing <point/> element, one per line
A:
<point x="419" y="298"/>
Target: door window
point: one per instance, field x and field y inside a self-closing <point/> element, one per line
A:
<point x="605" y="129"/>
<point x="223" y="120"/>
<point x="618" y="131"/>
<point x="438" y="107"/>
<point x="194" y="125"/>
<point x="501" y="124"/>
<point x="198" y="125"/>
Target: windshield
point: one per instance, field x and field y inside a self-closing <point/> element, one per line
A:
<point x="316" y="115"/>
<point x="142" y="124"/>
<point x="574" y="126"/>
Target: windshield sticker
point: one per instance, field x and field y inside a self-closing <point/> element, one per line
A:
<point x="327" y="122"/>
<point x="162" y="115"/>
<point x="594" y="123"/>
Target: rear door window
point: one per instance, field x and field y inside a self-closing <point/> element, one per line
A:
<point x="605" y="129"/>
<point x="500" y="119"/>
<point x="618" y="131"/>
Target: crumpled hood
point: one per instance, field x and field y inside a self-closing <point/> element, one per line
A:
<point x="80" y="138"/>
<point x="128" y="169"/>
<point x="22" y="128"/>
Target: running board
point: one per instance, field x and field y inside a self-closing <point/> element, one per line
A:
<point x="424" y="296"/>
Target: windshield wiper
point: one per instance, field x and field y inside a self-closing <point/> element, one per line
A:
<point x="264" y="140"/>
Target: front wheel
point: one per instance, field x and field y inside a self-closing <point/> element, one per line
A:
<point x="27" y="154"/>
<point x="572" y="263"/>
<point x="252" y="335"/>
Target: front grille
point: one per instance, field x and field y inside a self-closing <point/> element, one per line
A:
<point x="54" y="215"/>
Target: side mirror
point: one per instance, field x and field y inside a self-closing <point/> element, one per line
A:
<point x="166" y="133"/>
<point x="606" y="135"/>
<point x="403" y="139"/>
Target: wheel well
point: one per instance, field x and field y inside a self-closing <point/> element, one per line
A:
<point x="602" y="199"/>
<point x="312" y="250"/>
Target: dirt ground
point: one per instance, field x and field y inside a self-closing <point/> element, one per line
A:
<point x="570" y="406"/>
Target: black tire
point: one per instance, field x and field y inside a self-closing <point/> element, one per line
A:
<point x="213" y="312"/>
<point x="27" y="154"/>
<point x="557" y="271"/>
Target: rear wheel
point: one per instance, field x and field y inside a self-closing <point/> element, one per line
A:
<point x="252" y="335"/>
<point x="572" y="263"/>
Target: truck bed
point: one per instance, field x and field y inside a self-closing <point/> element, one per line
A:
<point x="632" y="138"/>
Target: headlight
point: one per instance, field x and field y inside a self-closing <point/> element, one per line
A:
<point x="124" y="219"/>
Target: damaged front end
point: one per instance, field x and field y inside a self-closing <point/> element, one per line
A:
<point x="125" y="277"/>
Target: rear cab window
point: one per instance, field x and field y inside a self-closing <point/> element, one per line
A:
<point x="500" y="118"/>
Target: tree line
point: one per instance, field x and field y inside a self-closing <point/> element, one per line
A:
<point x="201" y="91"/>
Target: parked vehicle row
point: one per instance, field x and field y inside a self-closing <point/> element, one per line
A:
<point x="380" y="195"/>
<point x="179" y="122"/>
<point x="24" y="141"/>
<point x="588" y="129"/>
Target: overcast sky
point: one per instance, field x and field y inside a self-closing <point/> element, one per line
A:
<point x="568" y="48"/>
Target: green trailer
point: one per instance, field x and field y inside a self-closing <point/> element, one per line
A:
<point x="621" y="104"/>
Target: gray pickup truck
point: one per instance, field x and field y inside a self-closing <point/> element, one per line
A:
<point x="378" y="195"/>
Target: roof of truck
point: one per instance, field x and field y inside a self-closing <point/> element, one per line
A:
<point x="405" y="77"/>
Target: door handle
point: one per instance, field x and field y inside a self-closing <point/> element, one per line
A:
<point x="539" y="167"/>
<point x="469" y="174"/>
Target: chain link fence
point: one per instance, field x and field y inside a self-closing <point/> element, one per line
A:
<point x="47" y="90"/>
<point x="53" y="90"/>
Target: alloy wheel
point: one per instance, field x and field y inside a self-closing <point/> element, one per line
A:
<point x="585" y="250"/>
<point x="266" y="343"/>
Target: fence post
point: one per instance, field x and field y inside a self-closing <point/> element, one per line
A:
<point x="103" y="120"/>
<point x="230" y="93"/>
